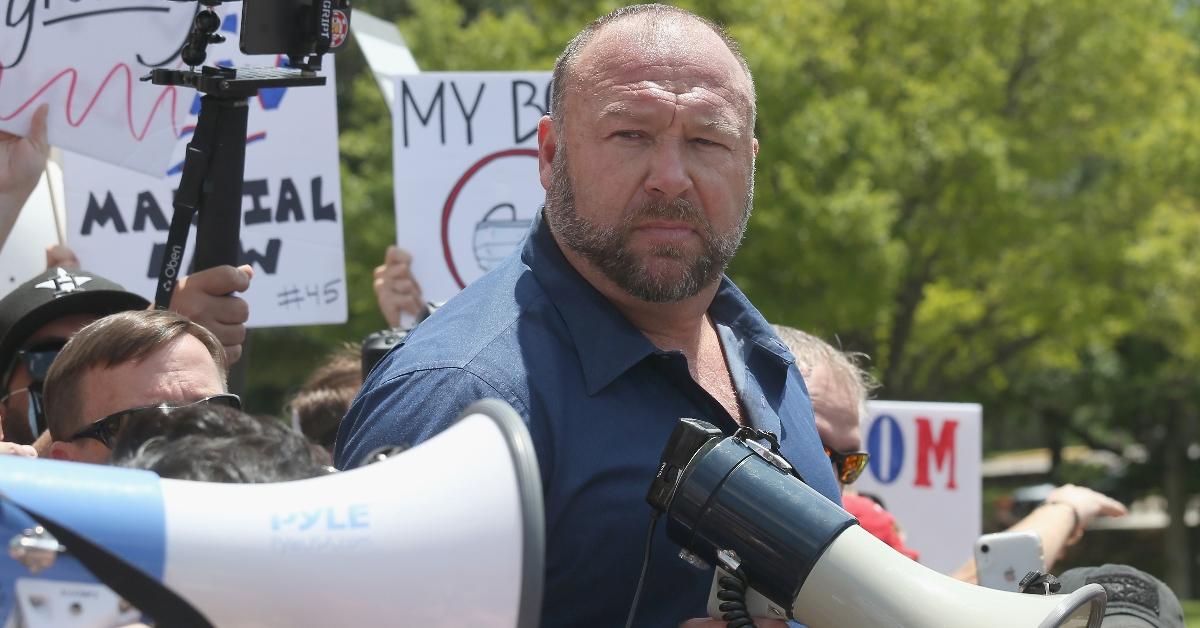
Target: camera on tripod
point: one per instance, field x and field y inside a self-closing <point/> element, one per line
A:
<point x="302" y="29"/>
<point x="210" y="187"/>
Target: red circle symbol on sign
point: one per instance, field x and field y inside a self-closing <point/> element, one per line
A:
<point x="448" y="207"/>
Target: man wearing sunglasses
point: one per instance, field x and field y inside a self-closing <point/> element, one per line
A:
<point x="38" y="317"/>
<point x="124" y="363"/>
<point x="839" y="389"/>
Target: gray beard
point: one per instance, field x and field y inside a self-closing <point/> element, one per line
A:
<point x="607" y="247"/>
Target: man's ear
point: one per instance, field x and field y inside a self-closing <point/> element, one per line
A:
<point x="547" y="148"/>
<point x="64" y="450"/>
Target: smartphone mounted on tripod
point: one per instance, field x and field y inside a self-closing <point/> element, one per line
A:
<point x="297" y="28"/>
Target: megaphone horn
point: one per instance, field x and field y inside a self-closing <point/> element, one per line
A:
<point x="449" y="533"/>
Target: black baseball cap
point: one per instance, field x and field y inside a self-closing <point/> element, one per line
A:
<point x="1136" y="599"/>
<point x="55" y="293"/>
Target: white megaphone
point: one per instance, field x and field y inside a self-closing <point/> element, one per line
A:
<point x="449" y="533"/>
<point x="794" y="554"/>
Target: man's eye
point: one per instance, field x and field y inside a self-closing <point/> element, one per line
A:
<point x="705" y="142"/>
<point x="630" y="135"/>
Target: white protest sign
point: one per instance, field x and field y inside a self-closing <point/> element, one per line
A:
<point x="291" y="204"/>
<point x="85" y="59"/>
<point x="465" y="154"/>
<point x="925" y="466"/>
<point x="385" y="50"/>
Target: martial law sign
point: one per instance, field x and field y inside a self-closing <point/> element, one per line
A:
<point x="465" y="155"/>
<point x="84" y="59"/>
<point x="291" y="235"/>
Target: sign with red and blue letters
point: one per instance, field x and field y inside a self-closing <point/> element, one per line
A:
<point x="925" y="467"/>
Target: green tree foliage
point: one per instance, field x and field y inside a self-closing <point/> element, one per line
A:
<point x="944" y="183"/>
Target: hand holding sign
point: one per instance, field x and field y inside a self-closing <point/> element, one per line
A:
<point x="62" y="256"/>
<point x="22" y="160"/>
<point x="207" y="298"/>
<point x="395" y="288"/>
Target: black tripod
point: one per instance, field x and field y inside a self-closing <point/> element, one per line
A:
<point x="210" y="186"/>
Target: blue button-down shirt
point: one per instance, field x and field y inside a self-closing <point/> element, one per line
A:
<point x="600" y="401"/>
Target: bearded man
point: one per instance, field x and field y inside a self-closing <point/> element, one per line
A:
<point x="615" y="319"/>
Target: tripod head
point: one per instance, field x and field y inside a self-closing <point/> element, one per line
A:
<point x="302" y="29"/>
<point x="203" y="32"/>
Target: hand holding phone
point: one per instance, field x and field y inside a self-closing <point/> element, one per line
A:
<point x="1002" y="559"/>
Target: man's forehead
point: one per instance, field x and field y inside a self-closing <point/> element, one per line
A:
<point x="179" y="371"/>
<point x="646" y="101"/>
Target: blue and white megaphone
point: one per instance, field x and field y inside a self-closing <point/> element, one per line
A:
<point x="449" y="533"/>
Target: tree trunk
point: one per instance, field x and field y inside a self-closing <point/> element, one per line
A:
<point x="1175" y="490"/>
<point x="1055" y="422"/>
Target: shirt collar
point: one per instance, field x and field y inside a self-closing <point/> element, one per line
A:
<point x="731" y="307"/>
<point x="607" y="343"/>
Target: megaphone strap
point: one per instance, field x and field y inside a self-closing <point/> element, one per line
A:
<point x="149" y="595"/>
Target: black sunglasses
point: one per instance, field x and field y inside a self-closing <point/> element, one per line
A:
<point x="106" y="429"/>
<point x="38" y="358"/>
<point x="848" y="466"/>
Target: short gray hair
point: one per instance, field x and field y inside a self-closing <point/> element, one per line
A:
<point x="811" y="352"/>
<point x="564" y="66"/>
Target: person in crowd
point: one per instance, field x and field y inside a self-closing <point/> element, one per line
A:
<point x="213" y="443"/>
<point x="36" y="319"/>
<point x="40" y="315"/>
<point x="839" y="389"/>
<point x="616" y="318"/>
<point x="123" y="363"/>
<point x="317" y="409"/>
<point x="1136" y="599"/>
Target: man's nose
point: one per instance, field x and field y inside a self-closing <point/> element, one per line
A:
<point x="668" y="174"/>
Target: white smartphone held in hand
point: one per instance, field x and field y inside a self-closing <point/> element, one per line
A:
<point x="1002" y="559"/>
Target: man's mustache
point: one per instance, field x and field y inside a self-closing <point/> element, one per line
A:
<point x="676" y="210"/>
